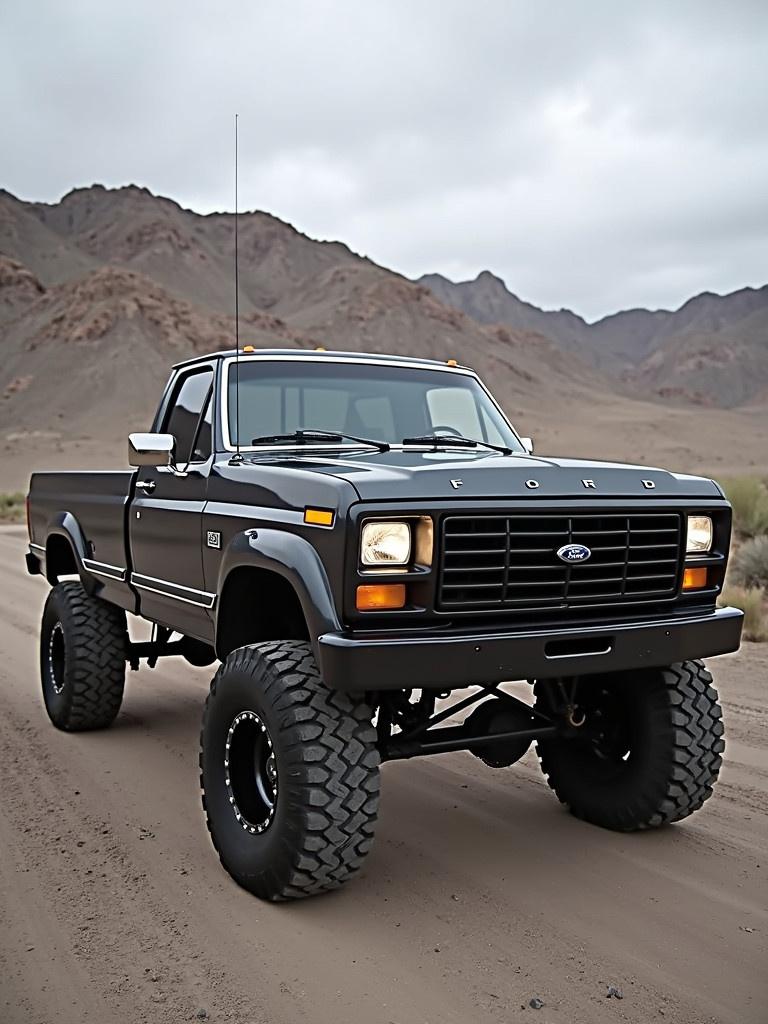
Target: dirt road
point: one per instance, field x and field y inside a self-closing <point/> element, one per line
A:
<point x="481" y="892"/>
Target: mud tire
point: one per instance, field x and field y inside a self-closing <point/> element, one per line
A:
<point x="671" y="726"/>
<point x="83" y="645"/>
<point x="322" y="818"/>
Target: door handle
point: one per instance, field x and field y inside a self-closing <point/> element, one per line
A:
<point x="147" y="486"/>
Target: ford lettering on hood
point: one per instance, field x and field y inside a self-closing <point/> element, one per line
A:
<point x="412" y="475"/>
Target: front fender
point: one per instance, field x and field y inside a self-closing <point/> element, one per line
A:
<point x="297" y="561"/>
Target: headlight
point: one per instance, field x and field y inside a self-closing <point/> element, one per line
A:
<point x="385" y="544"/>
<point x="699" y="534"/>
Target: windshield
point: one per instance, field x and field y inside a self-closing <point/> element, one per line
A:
<point x="370" y="400"/>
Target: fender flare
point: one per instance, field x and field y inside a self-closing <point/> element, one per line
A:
<point x="293" y="558"/>
<point x="64" y="524"/>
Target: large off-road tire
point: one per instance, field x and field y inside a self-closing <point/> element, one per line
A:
<point x="289" y="773"/>
<point x="83" y="643"/>
<point x="648" y="753"/>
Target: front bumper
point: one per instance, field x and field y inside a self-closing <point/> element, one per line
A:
<point x="368" y="661"/>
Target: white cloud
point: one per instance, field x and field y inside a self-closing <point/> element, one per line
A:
<point x="594" y="155"/>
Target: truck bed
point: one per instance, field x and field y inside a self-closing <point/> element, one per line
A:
<point x="91" y="508"/>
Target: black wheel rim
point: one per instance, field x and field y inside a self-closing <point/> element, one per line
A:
<point x="606" y="736"/>
<point x="250" y="772"/>
<point x="57" y="658"/>
<point x="609" y="722"/>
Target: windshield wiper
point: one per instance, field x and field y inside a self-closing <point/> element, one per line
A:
<point x="457" y="441"/>
<point x="317" y="436"/>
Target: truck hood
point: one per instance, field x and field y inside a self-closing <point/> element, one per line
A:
<point x="428" y="475"/>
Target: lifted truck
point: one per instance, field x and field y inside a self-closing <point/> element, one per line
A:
<point x="354" y="537"/>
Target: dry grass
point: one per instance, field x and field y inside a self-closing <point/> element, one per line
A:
<point x="12" y="508"/>
<point x="749" y="497"/>
<point x="749" y="565"/>
<point x="752" y="602"/>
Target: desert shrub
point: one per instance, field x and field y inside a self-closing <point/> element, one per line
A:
<point x="749" y="567"/>
<point x="12" y="508"/>
<point x="749" y="497"/>
<point x="752" y="603"/>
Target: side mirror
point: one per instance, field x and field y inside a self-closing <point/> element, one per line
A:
<point x="151" y="450"/>
<point x="527" y="444"/>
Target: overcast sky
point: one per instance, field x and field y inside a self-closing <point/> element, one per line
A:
<point x="594" y="155"/>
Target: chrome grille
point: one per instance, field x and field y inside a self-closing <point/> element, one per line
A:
<point x="510" y="562"/>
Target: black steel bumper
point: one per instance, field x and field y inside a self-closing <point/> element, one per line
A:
<point x="359" y="661"/>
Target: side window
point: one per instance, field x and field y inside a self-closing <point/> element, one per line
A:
<point x="203" y="445"/>
<point x="184" y="415"/>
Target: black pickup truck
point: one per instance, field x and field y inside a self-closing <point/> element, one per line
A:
<point x="355" y="538"/>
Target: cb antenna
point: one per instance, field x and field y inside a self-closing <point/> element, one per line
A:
<point x="237" y="457"/>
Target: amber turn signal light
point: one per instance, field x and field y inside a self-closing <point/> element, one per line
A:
<point x="694" y="579"/>
<point x="318" y="516"/>
<point x="380" y="597"/>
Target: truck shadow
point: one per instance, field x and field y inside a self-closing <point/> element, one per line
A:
<point x="457" y="843"/>
<point x="448" y="827"/>
<point x="158" y="699"/>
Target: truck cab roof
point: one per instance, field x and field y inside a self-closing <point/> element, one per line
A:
<point x="294" y="353"/>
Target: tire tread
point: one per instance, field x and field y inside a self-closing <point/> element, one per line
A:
<point x="95" y="639"/>
<point x="686" y="709"/>
<point x="331" y="743"/>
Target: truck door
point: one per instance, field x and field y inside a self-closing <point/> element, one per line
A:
<point x="165" y="519"/>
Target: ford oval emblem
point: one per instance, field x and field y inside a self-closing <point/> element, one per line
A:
<point x="574" y="553"/>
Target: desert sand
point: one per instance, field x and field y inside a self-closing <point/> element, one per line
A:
<point x="481" y="893"/>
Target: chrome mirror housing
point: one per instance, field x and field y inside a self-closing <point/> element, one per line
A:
<point x="527" y="444"/>
<point x="151" y="450"/>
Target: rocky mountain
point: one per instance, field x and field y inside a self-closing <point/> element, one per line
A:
<point x="488" y="300"/>
<point x="712" y="350"/>
<point x="101" y="292"/>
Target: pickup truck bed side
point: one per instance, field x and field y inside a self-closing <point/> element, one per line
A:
<point x="89" y="513"/>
